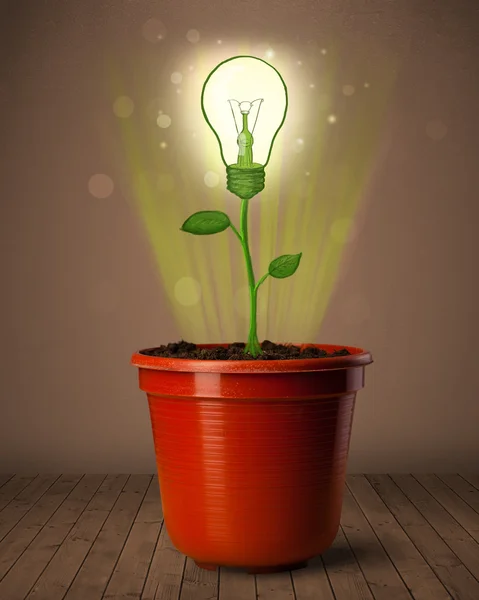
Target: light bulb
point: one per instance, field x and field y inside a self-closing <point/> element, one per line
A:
<point x="244" y="101"/>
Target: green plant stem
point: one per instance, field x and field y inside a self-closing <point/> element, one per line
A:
<point x="253" y="345"/>
<point x="237" y="233"/>
<point x="261" y="281"/>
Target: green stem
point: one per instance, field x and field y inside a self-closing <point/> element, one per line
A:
<point x="253" y="345"/>
<point x="261" y="281"/>
<point x="237" y="233"/>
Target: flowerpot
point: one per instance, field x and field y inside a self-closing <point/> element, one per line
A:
<point x="251" y="455"/>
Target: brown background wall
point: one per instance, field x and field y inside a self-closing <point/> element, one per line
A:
<point x="79" y="288"/>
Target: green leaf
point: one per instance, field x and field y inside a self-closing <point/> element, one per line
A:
<point x="284" y="266"/>
<point x="206" y="222"/>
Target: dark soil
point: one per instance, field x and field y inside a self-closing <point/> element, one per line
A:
<point x="235" y="351"/>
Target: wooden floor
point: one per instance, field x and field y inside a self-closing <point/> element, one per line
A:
<point x="94" y="536"/>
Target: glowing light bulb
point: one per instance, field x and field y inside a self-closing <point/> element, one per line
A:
<point x="241" y="96"/>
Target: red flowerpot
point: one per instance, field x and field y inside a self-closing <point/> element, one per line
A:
<point x="251" y="455"/>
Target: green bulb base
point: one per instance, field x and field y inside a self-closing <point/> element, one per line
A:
<point x="245" y="182"/>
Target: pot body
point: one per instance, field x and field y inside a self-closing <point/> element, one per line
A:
<point x="252" y="457"/>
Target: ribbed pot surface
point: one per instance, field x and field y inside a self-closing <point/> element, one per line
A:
<point x="252" y="463"/>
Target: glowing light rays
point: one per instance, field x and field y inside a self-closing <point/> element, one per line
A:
<point x="295" y="211"/>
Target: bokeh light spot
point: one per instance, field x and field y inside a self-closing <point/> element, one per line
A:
<point x="298" y="145"/>
<point x="323" y="51"/>
<point x="163" y="121"/>
<point x="155" y="107"/>
<point x="187" y="291"/>
<point x="211" y="179"/>
<point x="193" y="36"/>
<point x="436" y="130"/>
<point x="100" y="185"/>
<point x="163" y="145"/>
<point x="176" y="77"/>
<point x="332" y="119"/>
<point x="343" y="230"/>
<point x="260" y="49"/>
<point x="366" y="84"/>
<point x="123" y="107"/>
<point x="348" y="90"/>
<point x="153" y="31"/>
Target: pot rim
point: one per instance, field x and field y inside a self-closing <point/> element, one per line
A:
<point x="358" y="357"/>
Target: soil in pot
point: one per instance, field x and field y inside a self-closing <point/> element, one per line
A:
<point x="271" y="351"/>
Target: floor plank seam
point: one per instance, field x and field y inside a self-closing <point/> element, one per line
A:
<point x="443" y="539"/>
<point x="39" y="531"/>
<point x="329" y="579"/>
<point x="180" y="590"/>
<point x="442" y="505"/>
<point x="464" y="476"/>
<point x="458" y="495"/>
<point x="39" y="498"/>
<point x="398" y="523"/>
<point x="425" y="558"/>
<point x="68" y="532"/>
<point x="357" y="561"/>
<point x="67" y="591"/>
<point x="125" y="541"/>
<point x="72" y="537"/>
<point x="381" y="544"/>
<point x="151" y="560"/>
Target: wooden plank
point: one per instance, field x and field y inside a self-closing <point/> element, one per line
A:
<point x="13" y="487"/>
<point x="381" y="576"/>
<point x="96" y="570"/>
<point x="129" y="576"/>
<point x="23" y="575"/>
<point x="151" y="510"/>
<point x="275" y="586"/>
<point x="415" y="571"/>
<point x="472" y="478"/>
<point x="448" y="568"/>
<point x="344" y="573"/>
<point x="455" y="506"/>
<point x="198" y="584"/>
<point x="23" y="502"/>
<point x="166" y="572"/>
<point x="60" y="572"/>
<point x="4" y="477"/>
<point x="17" y="541"/>
<point x="460" y="542"/>
<point x="463" y="489"/>
<point x="311" y="583"/>
<point x="236" y="584"/>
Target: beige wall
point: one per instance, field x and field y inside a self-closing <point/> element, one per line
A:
<point x="80" y="291"/>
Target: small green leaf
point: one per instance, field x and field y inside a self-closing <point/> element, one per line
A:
<point x="206" y="222"/>
<point x="284" y="266"/>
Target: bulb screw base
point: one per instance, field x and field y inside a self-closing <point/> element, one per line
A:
<point x="245" y="182"/>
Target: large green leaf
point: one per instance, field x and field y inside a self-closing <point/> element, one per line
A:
<point x="284" y="266"/>
<point x="206" y="222"/>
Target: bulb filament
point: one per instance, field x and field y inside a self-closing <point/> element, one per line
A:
<point x="245" y="140"/>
